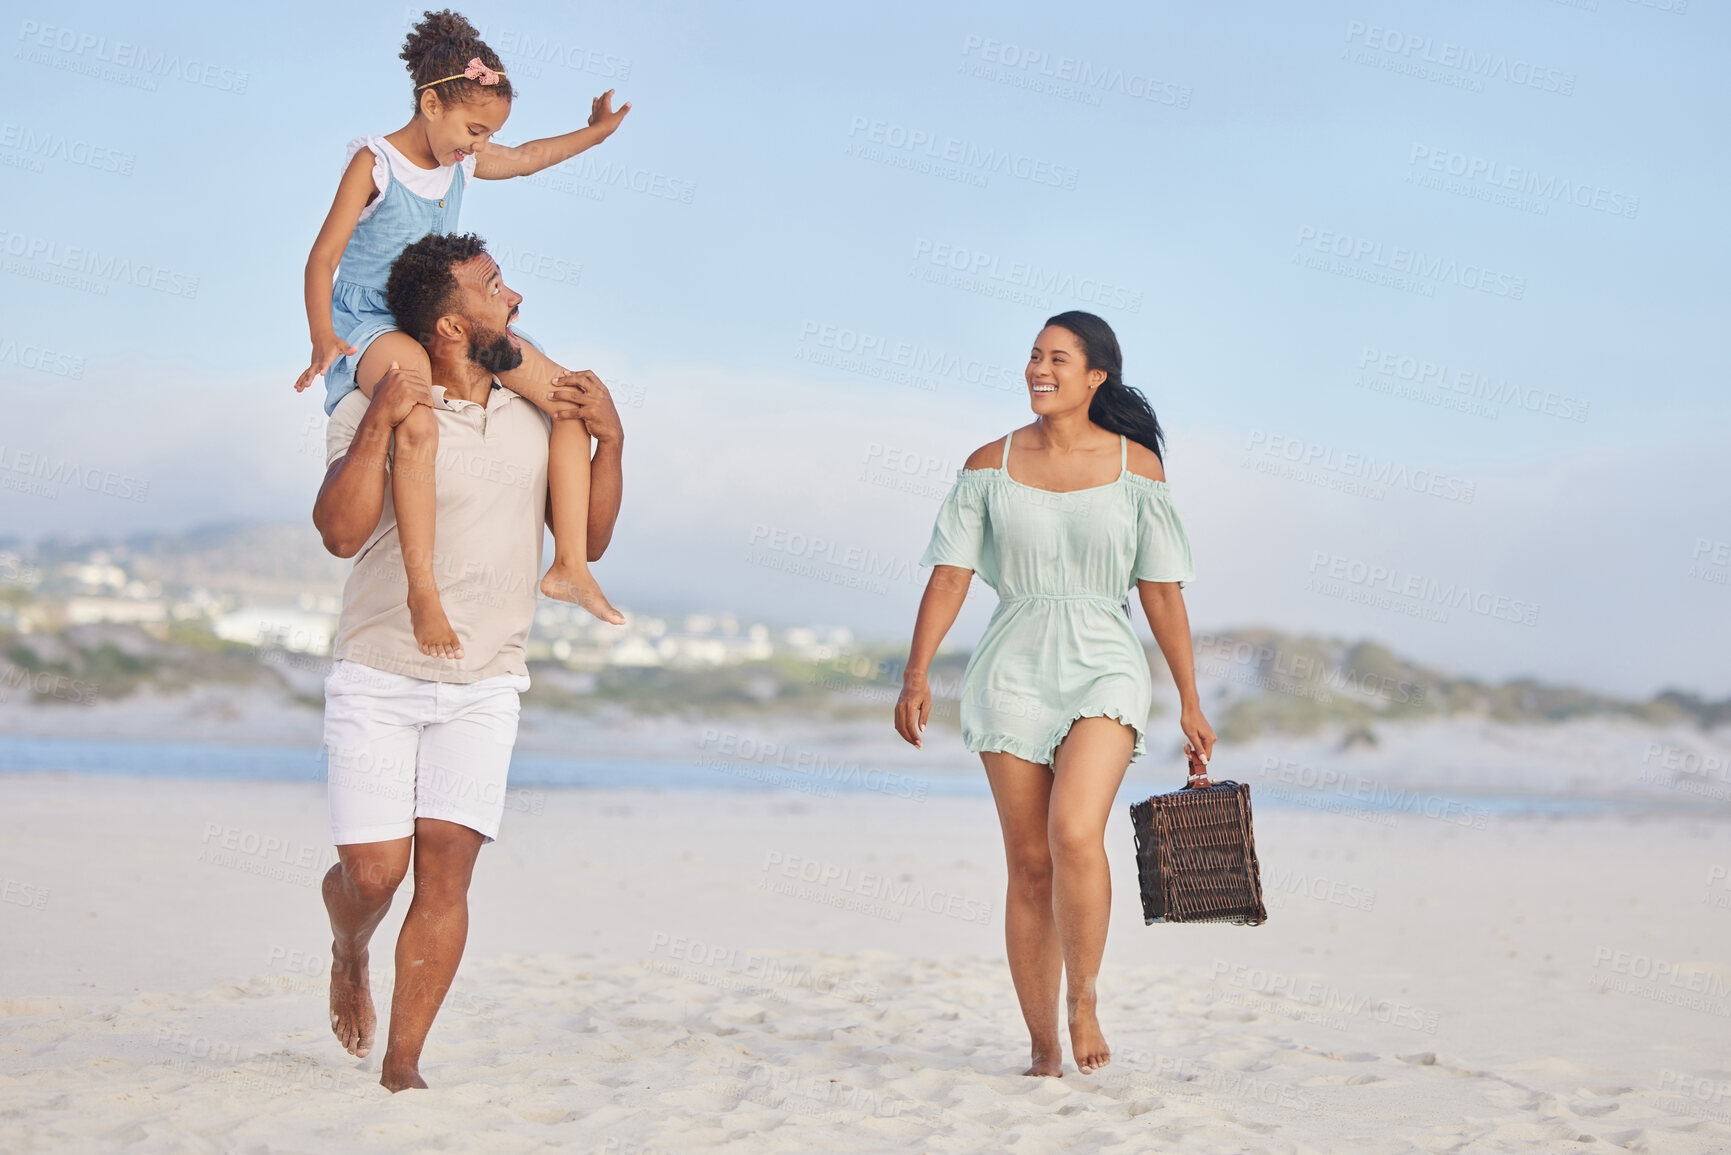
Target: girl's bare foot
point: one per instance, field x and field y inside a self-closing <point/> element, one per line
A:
<point x="1048" y="1061"/>
<point x="401" y="1076"/>
<point x="1087" y="1044"/>
<point x="352" y="1018"/>
<point x="569" y="582"/>
<point x="433" y="632"/>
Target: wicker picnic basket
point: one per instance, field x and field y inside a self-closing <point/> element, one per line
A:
<point x="1196" y="856"/>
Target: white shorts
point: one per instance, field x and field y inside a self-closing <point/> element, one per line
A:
<point x="402" y="748"/>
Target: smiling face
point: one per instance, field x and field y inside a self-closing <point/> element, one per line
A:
<point x="1058" y="376"/>
<point x="458" y="128"/>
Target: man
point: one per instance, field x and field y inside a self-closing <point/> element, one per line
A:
<point x="419" y="746"/>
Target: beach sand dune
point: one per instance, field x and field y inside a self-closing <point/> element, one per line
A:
<point x="681" y="972"/>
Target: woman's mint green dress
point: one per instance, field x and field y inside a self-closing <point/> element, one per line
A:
<point x="1060" y="645"/>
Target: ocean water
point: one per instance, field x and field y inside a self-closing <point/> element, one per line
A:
<point x="105" y="758"/>
<point x="307" y="764"/>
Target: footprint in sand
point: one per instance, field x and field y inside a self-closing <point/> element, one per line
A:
<point x="1592" y="1110"/>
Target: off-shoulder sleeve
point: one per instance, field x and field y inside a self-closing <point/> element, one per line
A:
<point x="963" y="533"/>
<point x="1162" y="546"/>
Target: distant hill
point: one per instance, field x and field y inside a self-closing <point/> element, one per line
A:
<point x="274" y="561"/>
<point x="1253" y="681"/>
<point x="1256" y="680"/>
<point x="1271" y="681"/>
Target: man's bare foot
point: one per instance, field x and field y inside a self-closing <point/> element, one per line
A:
<point x="572" y="583"/>
<point x="401" y="1077"/>
<point x="433" y="632"/>
<point x="352" y="1019"/>
<point x="1087" y="1044"/>
<point x="1048" y="1061"/>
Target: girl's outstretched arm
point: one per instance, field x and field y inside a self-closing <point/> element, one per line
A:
<point x="353" y="194"/>
<point x="502" y="161"/>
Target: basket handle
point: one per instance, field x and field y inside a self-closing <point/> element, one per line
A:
<point x="1198" y="779"/>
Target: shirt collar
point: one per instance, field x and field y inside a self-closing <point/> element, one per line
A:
<point x="496" y="396"/>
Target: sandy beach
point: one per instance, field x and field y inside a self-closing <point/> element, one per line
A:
<point x="682" y="971"/>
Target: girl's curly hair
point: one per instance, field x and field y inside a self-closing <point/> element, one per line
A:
<point x="442" y="45"/>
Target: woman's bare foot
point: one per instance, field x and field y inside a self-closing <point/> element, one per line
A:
<point x="353" y="1021"/>
<point x="433" y="632"/>
<point x="569" y="582"/>
<point x="1087" y="1044"/>
<point x="401" y="1076"/>
<point x="1048" y="1061"/>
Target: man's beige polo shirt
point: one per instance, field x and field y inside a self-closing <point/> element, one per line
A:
<point x="491" y="474"/>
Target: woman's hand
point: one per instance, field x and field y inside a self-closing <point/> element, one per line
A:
<point x="602" y="116"/>
<point x="1198" y="738"/>
<point x="913" y="708"/>
<point x="326" y="350"/>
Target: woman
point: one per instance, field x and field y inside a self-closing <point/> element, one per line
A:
<point x="1060" y="517"/>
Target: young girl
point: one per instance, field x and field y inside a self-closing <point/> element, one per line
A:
<point x="397" y="189"/>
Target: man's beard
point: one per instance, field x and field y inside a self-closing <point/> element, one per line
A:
<point x="493" y="351"/>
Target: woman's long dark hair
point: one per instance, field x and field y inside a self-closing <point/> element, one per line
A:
<point x="1117" y="407"/>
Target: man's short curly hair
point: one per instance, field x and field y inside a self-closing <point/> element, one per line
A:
<point x="421" y="287"/>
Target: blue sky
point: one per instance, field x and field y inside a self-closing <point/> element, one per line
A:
<point x="1477" y="241"/>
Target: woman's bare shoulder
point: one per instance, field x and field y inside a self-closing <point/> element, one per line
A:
<point x="988" y="456"/>
<point x="1144" y="463"/>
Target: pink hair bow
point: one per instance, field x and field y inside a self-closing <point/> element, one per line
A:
<point x="479" y="72"/>
<point x="476" y="71"/>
